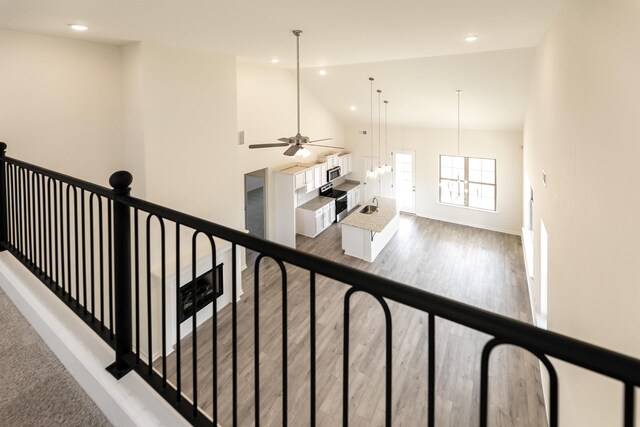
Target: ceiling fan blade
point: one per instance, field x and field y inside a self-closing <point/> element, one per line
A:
<point x="291" y="151"/>
<point x="318" y="140"/>
<point x="281" y="144"/>
<point x="284" y="139"/>
<point x="327" y="146"/>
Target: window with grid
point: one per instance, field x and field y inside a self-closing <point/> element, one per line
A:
<point x="468" y="181"/>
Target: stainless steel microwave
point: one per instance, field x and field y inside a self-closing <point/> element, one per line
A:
<point x="333" y="173"/>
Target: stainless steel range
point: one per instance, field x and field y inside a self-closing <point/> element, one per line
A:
<point x="341" y="200"/>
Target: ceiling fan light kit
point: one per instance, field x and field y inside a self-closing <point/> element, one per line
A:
<point x="298" y="141"/>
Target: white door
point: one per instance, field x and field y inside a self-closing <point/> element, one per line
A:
<point x="404" y="179"/>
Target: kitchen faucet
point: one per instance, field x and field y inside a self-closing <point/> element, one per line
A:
<point x="376" y="200"/>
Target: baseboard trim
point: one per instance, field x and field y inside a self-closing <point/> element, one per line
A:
<point x="468" y="224"/>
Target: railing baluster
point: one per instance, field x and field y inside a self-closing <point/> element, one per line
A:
<point x="136" y="278"/>
<point x="92" y="282"/>
<point x="41" y="258"/>
<point x="110" y="266"/>
<point x="285" y="352"/>
<point x="30" y="227"/>
<point x="629" y="405"/>
<point x="178" y="308"/>
<point x="38" y="194"/>
<point x="234" y="334"/>
<point x="163" y="299"/>
<point x="345" y="360"/>
<point x="312" y="345"/>
<point x="149" y="323"/>
<point x="76" y="251"/>
<point x="49" y="232"/>
<point x="484" y="380"/>
<point x="194" y="335"/>
<point x="55" y="235"/>
<point x="84" y="252"/>
<point x="256" y="339"/>
<point x="431" y="396"/>
<point x="4" y="205"/>
<point x="214" y="327"/>
<point x="62" y="213"/>
<point x="101" y="239"/>
<point x="68" y="215"/>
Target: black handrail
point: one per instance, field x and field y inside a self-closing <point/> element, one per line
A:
<point x="592" y="357"/>
<point x="30" y="226"/>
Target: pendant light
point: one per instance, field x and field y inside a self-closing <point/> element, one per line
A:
<point x="371" y="173"/>
<point x="380" y="170"/>
<point x="386" y="168"/>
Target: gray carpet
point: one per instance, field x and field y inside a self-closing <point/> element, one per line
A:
<point x="36" y="390"/>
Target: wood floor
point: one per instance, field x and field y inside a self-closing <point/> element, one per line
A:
<point x="478" y="267"/>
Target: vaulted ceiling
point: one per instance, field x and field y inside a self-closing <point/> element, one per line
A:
<point x="415" y="49"/>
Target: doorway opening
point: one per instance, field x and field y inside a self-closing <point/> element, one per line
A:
<point x="544" y="272"/>
<point x="404" y="180"/>
<point x="255" y="202"/>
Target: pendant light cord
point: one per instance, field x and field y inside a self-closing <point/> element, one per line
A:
<point x="458" y="92"/>
<point x="386" y="155"/>
<point x="379" y="131"/>
<point x="371" y="80"/>
<point x="297" y="34"/>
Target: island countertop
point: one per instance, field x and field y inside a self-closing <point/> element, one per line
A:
<point x="376" y="221"/>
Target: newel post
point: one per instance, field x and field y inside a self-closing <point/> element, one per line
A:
<point x="120" y="181"/>
<point x="3" y="200"/>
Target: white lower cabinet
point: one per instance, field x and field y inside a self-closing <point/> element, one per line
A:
<point x="311" y="223"/>
<point x="353" y="198"/>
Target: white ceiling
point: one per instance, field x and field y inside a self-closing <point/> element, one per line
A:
<point x="372" y="34"/>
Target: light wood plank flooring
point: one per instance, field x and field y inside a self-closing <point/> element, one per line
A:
<point x="474" y="266"/>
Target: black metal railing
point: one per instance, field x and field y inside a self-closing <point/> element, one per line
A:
<point x="128" y="269"/>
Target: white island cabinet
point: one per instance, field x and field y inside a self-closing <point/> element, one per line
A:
<point x="365" y="235"/>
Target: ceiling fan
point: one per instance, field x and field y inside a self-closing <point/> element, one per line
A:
<point x="296" y="143"/>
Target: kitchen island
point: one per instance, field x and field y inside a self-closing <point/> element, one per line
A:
<point x="364" y="235"/>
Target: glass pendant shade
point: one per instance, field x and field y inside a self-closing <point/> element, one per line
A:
<point x="372" y="174"/>
<point x="386" y="168"/>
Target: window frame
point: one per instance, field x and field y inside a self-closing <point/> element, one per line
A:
<point x="467" y="181"/>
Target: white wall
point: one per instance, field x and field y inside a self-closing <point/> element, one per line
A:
<point x="188" y="114"/>
<point x="582" y="128"/>
<point x="267" y="111"/>
<point x="429" y="144"/>
<point x="60" y="104"/>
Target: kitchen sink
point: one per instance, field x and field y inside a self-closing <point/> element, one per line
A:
<point x="369" y="209"/>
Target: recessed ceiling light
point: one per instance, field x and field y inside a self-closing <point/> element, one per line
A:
<point x="322" y="72"/>
<point x="471" y="38"/>
<point x="274" y="60"/>
<point x="78" y="27"/>
<point x="353" y="108"/>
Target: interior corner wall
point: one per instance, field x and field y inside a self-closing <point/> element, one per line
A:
<point x="267" y="111"/>
<point x="188" y="105"/>
<point x="429" y="144"/>
<point x="134" y="153"/>
<point x="582" y="128"/>
<point x="60" y="104"/>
